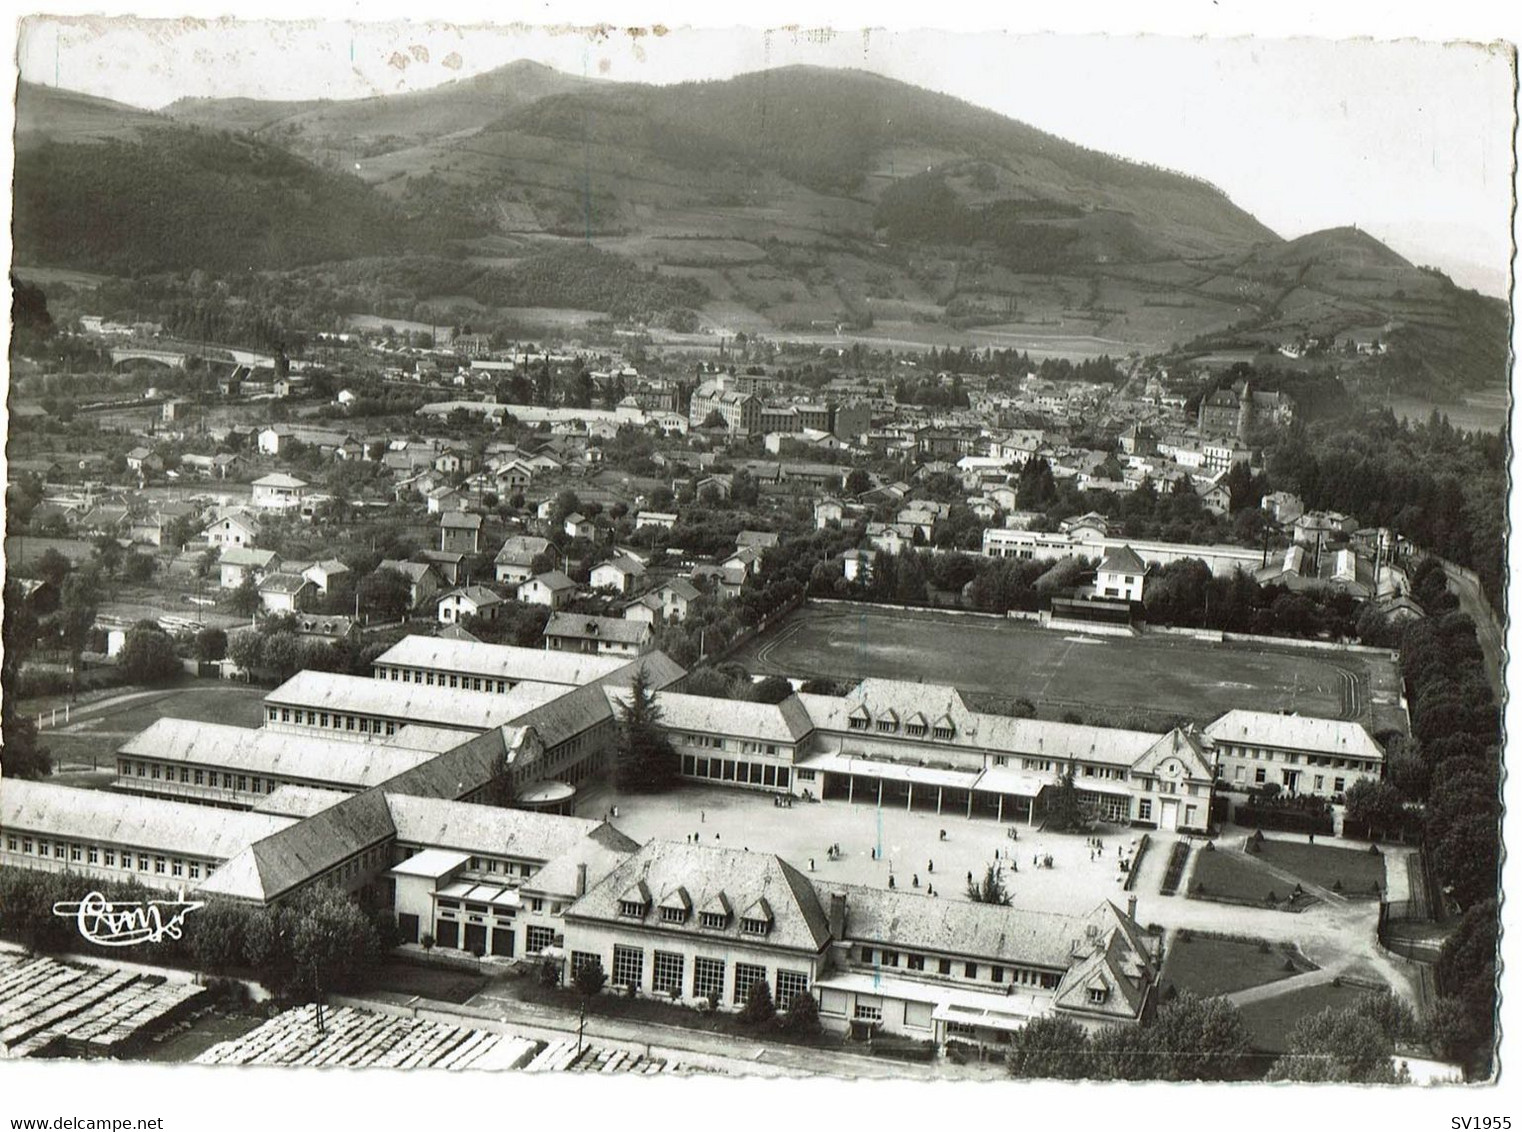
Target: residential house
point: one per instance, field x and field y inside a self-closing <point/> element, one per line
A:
<point x="621" y="573"/>
<point x="460" y="531"/>
<point x="1121" y="575"/>
<point x="600" y="636"/>
<point x="454" y="461"/>
<point x="278" y="491"/>
<point x="515" y="561"/>
<point x="664" y="519"/>
<point x="747" y="558"/>
<point x="422" y="580"/>
<point x="756" y="540"/>
<point x="238" y="562"/>
<point x="286" y="593"/>
<point x="828" y="510"/>
<point x="552" y="588"/>
<point x="324" y="573"/>
<point x="667" y="602"/>
<point x="448" y="564"/>
<point x="577" y="525"/>
<point x="468" y="601"/>
<point x="144" y="461"/>
<point x="1217" y="499"/>
<point x="857" y="564"/>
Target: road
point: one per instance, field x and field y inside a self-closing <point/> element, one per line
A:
<point x="1492" y="640"/>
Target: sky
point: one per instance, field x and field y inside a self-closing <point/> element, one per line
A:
<point x="1409" y="140"/>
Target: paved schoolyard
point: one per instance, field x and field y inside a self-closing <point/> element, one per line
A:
<point x="908" y="843"/>
<point x="1173" y="675"/>
<point x="1337" y="934"/>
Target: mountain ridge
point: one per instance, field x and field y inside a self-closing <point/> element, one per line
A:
<point x="786" y="198"/>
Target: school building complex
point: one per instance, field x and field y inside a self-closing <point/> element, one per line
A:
<point x="444" y="787"/>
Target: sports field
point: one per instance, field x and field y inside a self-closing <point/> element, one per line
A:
<point x="1102" y="678"/>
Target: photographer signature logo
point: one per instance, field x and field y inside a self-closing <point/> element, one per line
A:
<point x="123" y="924"/>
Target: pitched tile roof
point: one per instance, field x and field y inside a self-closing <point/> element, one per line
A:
<point x="705" y="871"/>
<point x="472" y="828"/>
<point x="1296" y="733"/>
<point x="786" y="722"/>
<point x="584" y="627"/>
<point x="501" y="662"/>
<point x="391" y="699"/>
<point x="282" y="754"/>
<point x="179" y="828"/>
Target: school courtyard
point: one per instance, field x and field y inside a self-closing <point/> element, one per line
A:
<point x="906" y="844"/>
<point x="1152" y="675"/>
<point x="1336" y="934"/>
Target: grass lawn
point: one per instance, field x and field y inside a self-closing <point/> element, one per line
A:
<point x="1100" y="677"/>
<point x="1231" y="879"/>
<point x="1222" y="966"/>
<point x="91" y="740"/>
<point x="1352" y="872"/>
<point x="437" y="983"/>
<point x="1272" y="1019"/>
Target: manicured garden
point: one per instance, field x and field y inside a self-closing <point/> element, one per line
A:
<point x="1271" y="1019"/>
<point x="1211" y="965"/>
<point x="1230" y="878"/>
<point x="1354" y="873"/>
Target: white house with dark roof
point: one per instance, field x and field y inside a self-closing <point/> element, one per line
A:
<point x="600" y="636"/>
<point x="1120" y="575"/>
<point x="278" y="491"/>
<point x="667" y="602"/>
<point x="236" y="529"/>
<point x="468" y="601"/>
<point x="239" y="562"/>
<point x="1300" y="754"/>
<point x="551" y="588"/>
<point x="621" y="573"/>
<point x="286" y="593"/>
<point x="515" y="561"/>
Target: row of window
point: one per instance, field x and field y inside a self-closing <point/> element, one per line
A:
<point x="196" y="776"/>
<point x="940" y="965"/>
<point x="713" y="921"/>
<point x="943" y="730"/>
<point x="1260" y="775"/>
<point x="336" y="721"/>
<point x="105" y="857"/>
<point x="718" y="743"/>
<point x="431" y="679"/>
<point x="1293" y="758"/>
<point x="733" y="770"/>
<point x="668" y="971"/>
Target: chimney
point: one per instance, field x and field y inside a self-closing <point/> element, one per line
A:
<point x="837" y="915"/>
<point x="1131" y="906"/>
<point x="581" y="884"/>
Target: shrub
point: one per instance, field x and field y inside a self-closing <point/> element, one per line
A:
<point x="590" y="978"/>
<point x="549" y="973"/>
<point x="759" y="1006"/>
<point x="802" y="1015"/>
<point x="427" y="941"/>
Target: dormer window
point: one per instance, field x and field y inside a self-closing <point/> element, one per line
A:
<point x="888" y="723"/>
<point x="715" y="913"/>
<point x="757" y="919"/>
<point x="635" y="901"/>
<point x="1097" y="995"/>
<point x="859" y="719"/>
<point x="944" y="728"/>
<point x="675" y="906"/>
<point x="916" y="726"/>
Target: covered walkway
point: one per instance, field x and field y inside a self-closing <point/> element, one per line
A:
<point x="996" y="792"/>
